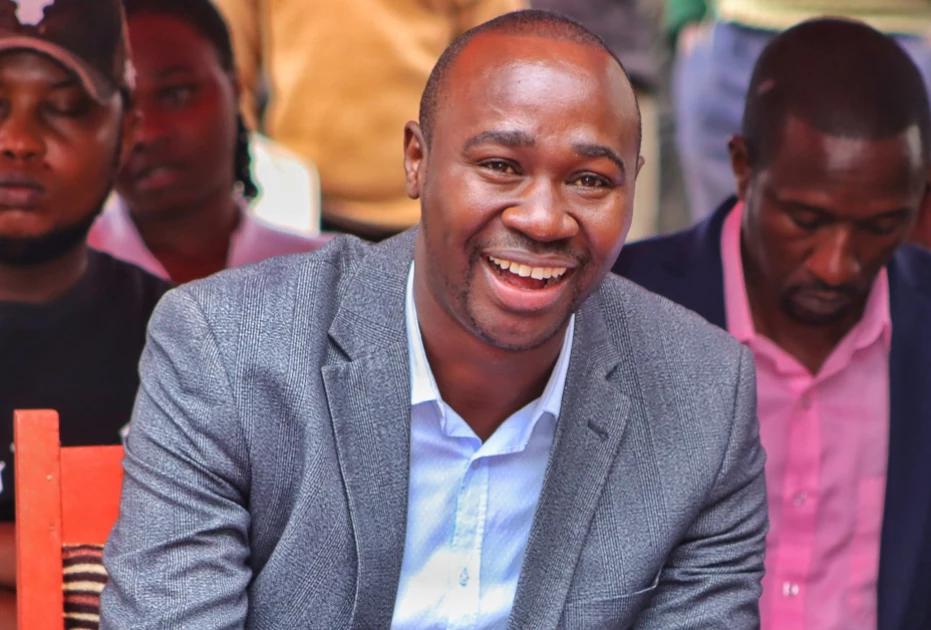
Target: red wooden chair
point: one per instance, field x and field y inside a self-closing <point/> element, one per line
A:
<point x="67" y="500"/>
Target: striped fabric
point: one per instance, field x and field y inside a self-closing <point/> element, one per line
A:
<point x="84" y="579"/>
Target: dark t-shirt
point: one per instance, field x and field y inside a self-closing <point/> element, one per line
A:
<point x="78" y="355"/>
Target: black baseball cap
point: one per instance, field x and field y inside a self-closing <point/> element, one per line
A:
<point x="88" y="37"/>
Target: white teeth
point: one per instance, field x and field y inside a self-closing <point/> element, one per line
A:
<point x="526" y="271"/>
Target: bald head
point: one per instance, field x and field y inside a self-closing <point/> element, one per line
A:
<point x="528" y="23"/>
<point x="841" y="78"/>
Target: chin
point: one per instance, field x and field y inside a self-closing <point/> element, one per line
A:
<point x="519" y="336"/>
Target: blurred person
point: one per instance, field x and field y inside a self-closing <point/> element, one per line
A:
<point x="343" y="78"/>
<point x="809" y="268"/>
<point x="468" y="425"/>
<point x="72" y="320"/>
<point x="181" y="211"/>
<point x="630" y="29"/>
<point x="719" y="43"/>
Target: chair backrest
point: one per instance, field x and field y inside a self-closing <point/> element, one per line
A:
<point x="64" y="497"/>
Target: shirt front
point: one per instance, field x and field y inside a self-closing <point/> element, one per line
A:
<point x="253" y="241"/>
<point x="826" y="438"/>
<point x="470" y="504"/>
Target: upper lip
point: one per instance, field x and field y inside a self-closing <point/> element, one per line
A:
<point x="12" y="179"/>
<point x="533" y="260"/>
<point x="138" y="171"/>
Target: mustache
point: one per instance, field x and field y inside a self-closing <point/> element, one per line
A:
<point x="821" y="286"/>
<point x="537" y="248"/>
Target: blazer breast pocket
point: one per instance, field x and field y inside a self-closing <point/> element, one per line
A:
<point x="611" y="613"/>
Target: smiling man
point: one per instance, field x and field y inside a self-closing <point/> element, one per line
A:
<point x="807" y="268"/>
<point x="72" y="320"/>
<point x="467" y="426"/>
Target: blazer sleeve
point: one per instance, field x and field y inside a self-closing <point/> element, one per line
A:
<point x="713" y="579"/>
<point x="178" y="555"/>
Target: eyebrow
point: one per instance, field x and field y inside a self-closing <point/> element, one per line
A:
<point x="70" y="82"/>
<point x="825" y="213"/>
<point x="170" y="70"/>
<point x="513" y="139"/>
<point x="600" y="151"/>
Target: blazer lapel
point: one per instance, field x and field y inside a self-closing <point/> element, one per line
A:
<point x="369" y="401"/>
<point x="907" y="512"/>
<point x="589" y="429"/>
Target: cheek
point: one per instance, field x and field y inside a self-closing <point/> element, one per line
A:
<point x="84" y="169"/>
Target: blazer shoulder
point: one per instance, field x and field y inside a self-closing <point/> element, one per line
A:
<point x="913" y="263"/>
<point x="658" y="325"/>
<point x="276" y="287"/>
<point x="644" y="256"/>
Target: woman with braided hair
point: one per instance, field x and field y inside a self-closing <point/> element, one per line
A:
<point x="182" y="197"/>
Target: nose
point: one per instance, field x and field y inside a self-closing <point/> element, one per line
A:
<point x="834" y="258"/>
<point x="20" y="137"/>
<point x="153" y="129"/>
<point x="541" y="214"/>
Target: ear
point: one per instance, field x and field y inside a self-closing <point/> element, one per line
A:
<point x="640" y="162"/>
<point x="740" y="165"/>
<point x="415" y="159"/>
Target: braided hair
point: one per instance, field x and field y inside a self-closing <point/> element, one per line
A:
<point x="206" y="20"/>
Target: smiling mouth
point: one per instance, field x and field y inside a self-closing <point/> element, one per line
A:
<point x="526" y="277"/>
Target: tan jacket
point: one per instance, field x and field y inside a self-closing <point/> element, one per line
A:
<point x="344" y="77"/>
<point x="890" y="16"/>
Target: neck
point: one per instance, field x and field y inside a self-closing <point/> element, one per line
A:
<point x="191" y="243"/>
<point x="810" y="344"/>
<point x="483" y="384"/>
<point x="38" y="284"/>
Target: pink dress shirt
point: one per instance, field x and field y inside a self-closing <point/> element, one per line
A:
<point x="253" y="241"/>
<point x="826" y="437"/>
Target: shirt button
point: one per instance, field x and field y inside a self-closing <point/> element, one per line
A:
<point x="800" y="498"/>
<point x="789" y="589"/>
<point x="464" y="577"/>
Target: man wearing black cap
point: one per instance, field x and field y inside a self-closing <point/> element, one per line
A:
<point x="72" y="321"/>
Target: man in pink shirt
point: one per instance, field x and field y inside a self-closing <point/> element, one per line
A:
<point x="808" y="268"/>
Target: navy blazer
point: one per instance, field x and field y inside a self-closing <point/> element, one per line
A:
<point x="686" y="268"/>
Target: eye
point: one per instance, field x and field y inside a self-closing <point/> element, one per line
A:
<point x="807" y="220"/>
<point x="176" y="97"/>
<point x="73" y="107"/>
<point x="588" y="180"/>
<point x="882" y="227"/>
<point x="500" y="166"/>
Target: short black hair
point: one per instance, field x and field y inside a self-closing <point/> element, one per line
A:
<point x="838" y="76"/>
<point x="530" y="22"/>
<point x="204" y="17"/>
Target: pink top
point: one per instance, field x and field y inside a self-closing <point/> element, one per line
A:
<point x="253" y="241"/>
<point x="826" y="438"/>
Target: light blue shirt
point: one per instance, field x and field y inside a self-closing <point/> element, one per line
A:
<point x="470" y="504"/>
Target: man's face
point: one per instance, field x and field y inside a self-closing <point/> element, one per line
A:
<point x="59" y="153"/>
<point x="826" y="214"/>
<point x="527" y="185"/>
<point x="184" y="145"/>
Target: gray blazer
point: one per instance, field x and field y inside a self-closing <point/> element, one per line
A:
<point x="267" y="463"/>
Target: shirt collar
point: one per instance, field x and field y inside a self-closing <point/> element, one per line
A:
<point x="423" y="384"/>
<point x="132" y="248"/>
<point x="875" y="324"/>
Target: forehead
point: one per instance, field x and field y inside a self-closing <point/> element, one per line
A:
<point x="21" y="66"/>
<point x="856" y="168"/>
<point x="161" y="40"/>
<point x="539" y="85"/>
